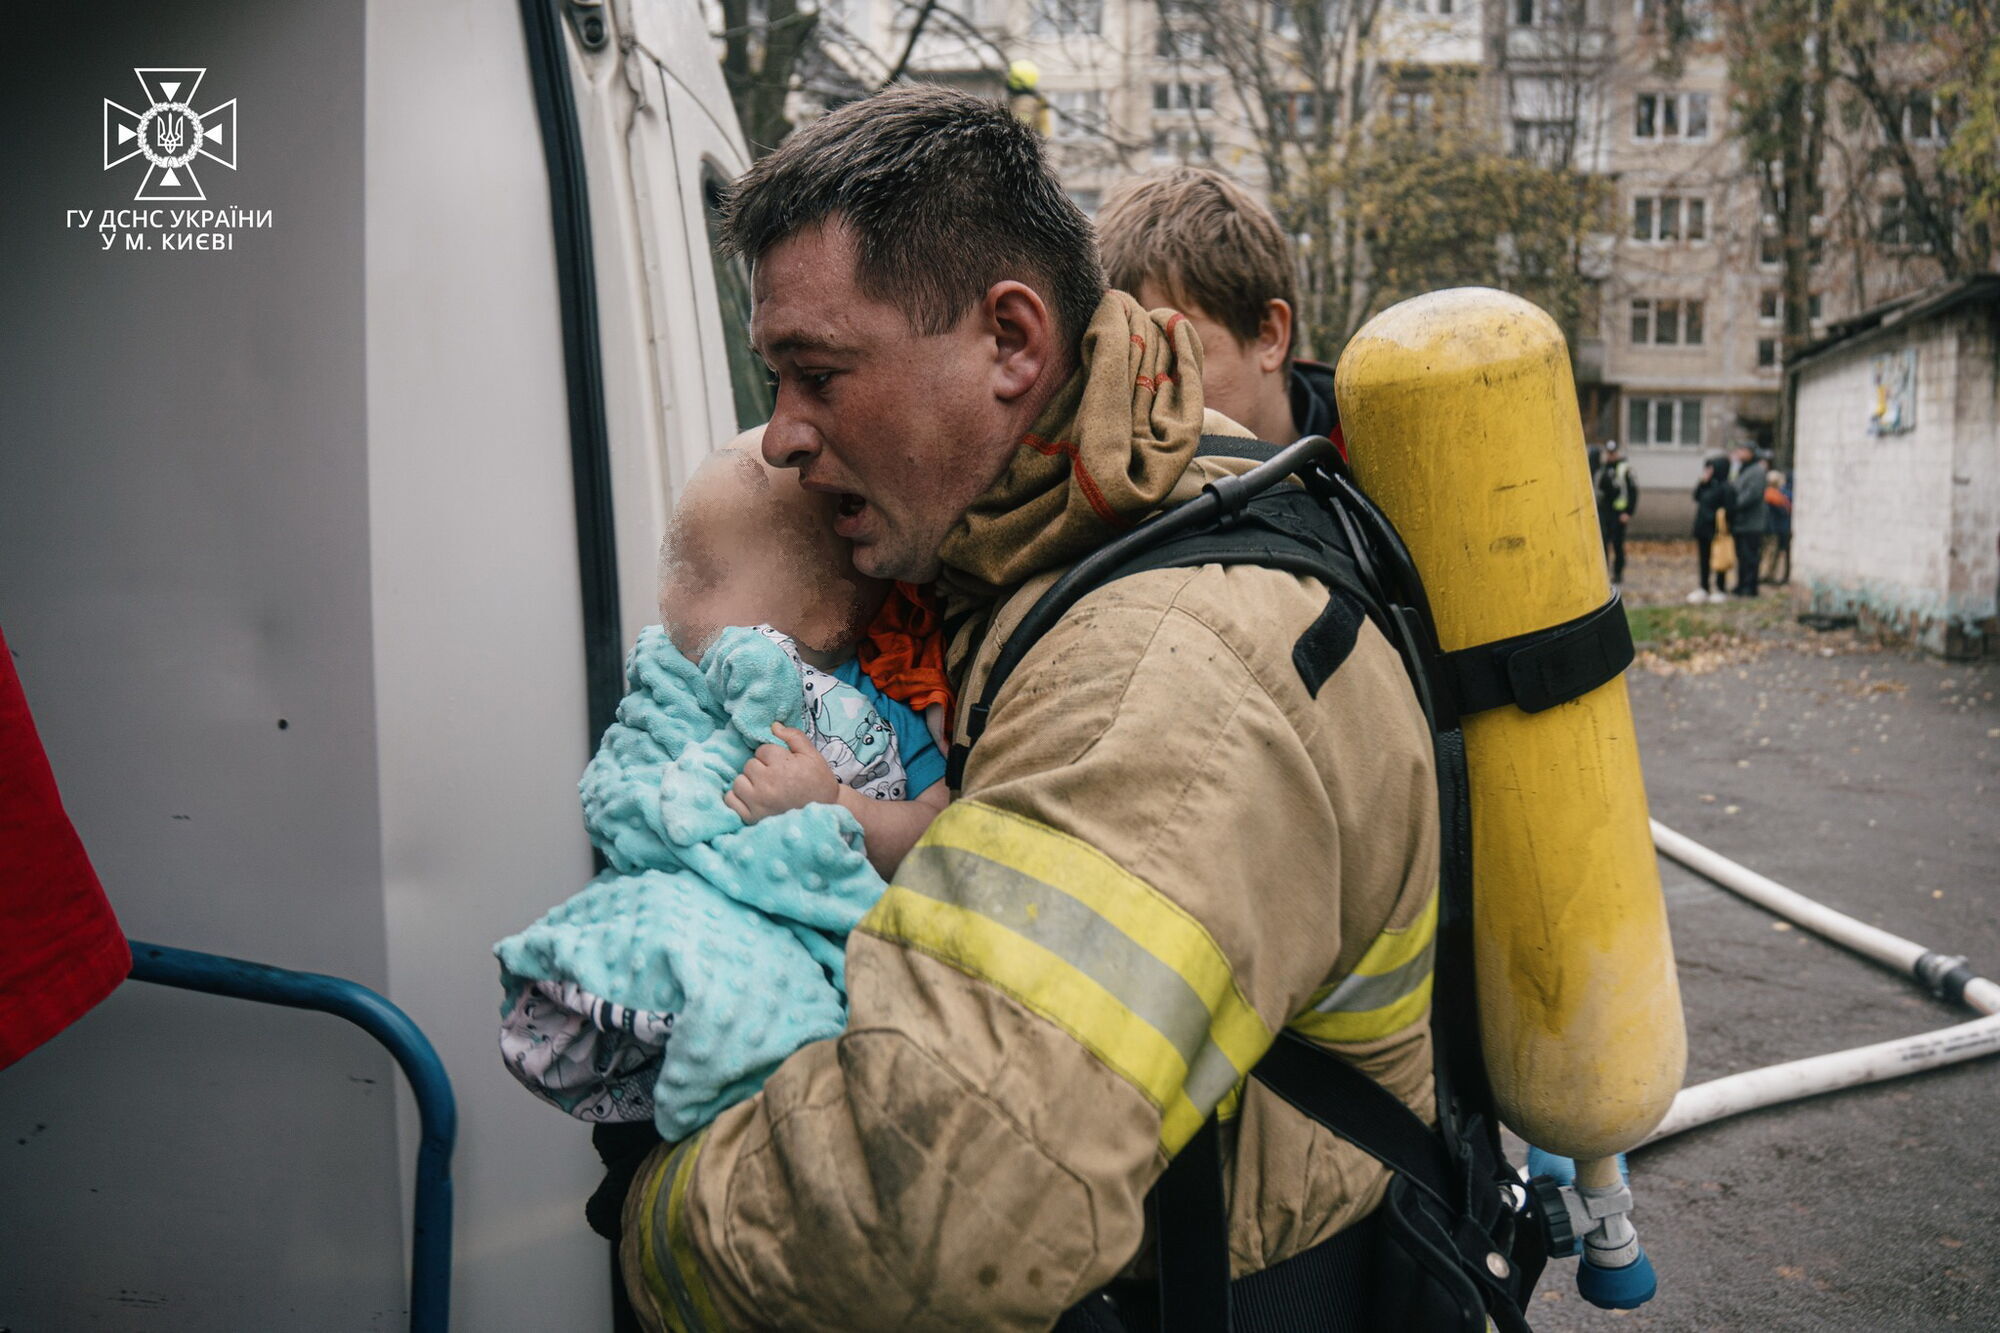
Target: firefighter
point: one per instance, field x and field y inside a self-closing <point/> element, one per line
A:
<point x="1617" y="501"/>
<point x="1169" y="844"/>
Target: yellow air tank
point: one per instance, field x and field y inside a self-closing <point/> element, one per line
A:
<point x="1461" y="420"/>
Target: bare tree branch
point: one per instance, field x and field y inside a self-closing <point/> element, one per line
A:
<point x="909" y="47"/>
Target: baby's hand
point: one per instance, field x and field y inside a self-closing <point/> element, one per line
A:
<point x="782" y="777"/>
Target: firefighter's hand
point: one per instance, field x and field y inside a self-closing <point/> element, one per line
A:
<point x="1624" y="519"/>
<point x="782" y="777"/>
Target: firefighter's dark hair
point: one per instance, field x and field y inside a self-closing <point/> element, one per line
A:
<point x="944" y="194"/>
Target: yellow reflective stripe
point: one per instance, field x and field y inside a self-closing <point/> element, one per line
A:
<point x="1389" y="989"/>
<point x="1094" y="949"/>
<point x="1367" y="1024"/>
<point x="1038" y="978"/>
<point x="1093" y="879"/>
<point x="649" y="1264"/>
<point x="1156" y="922"/>
<point x="1393" y="948"/>
<point x="666" y="1251"/>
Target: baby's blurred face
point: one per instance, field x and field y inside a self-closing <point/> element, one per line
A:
<point x="749" y="546"/>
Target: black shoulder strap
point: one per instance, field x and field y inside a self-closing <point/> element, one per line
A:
<point x="1281" y="527"/>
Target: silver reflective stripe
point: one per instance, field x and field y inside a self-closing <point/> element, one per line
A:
<point x="1210" y="1077"/>
<point x="1359" y="994"/>
<point x="1043" y="914"/>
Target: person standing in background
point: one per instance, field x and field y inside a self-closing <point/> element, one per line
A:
<point x="1749" y="517"/>
<point x="1617" y="501"/>
<point x="1778" y="500"/>
<point x="1711" y="497"/>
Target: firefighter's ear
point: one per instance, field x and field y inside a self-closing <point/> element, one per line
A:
<point x="1023" y="333"/>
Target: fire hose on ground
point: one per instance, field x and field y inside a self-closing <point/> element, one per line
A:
<point x="1949" y="978"/>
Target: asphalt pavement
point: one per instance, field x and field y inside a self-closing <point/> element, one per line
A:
<point x="1868" y="779"/>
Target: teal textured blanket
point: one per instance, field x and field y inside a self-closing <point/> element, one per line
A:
<point x="720" y="945"/>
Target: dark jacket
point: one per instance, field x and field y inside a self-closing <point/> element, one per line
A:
<point x="1780" y="508"/>
<point x="1313" y="408"/>
<point x="1617" y="490"/>
<point x="1747" y="511"/>
<point x="1711" y="496"/>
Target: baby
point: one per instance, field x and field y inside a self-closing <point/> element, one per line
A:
<point x="712" y="945"/>
<point x="748" y="546"/>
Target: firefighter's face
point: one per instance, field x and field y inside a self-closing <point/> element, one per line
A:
<point x="904" y="429"/>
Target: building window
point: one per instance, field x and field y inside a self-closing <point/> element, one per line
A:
<point x="1898" y="225"/>
<point x="1185" y="43"/>
<point x="1296" y="114"/>
<point x="1183" y="97"/>
<point x="1180" y="145"/>
<point x="1696" y="119"/>
<point x="1670" y="421"/>
<point x="1670" y="116"/>
<point x="1694" y="19"/>
<point x="1771" y="306"/>
<point x="1425" y="6"/>
<point x="1077" y="113"/>
<point x="1413" y="108"/>
<point x="1666" y="323"/>
<point x="1544" y="141"/>
<point x="1770" y="252"/>
<point x="1924" y="119"/>
<point x="1068" y="18"/>
<point x="1669" y="217"/>
<point x="1539" y="13"/>
<point x="1767" y="354"/>
<point x="1422" y="109"/>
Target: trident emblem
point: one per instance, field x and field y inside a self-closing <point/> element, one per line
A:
<point x="170" y="134"/>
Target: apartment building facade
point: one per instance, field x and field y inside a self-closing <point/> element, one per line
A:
<point x="1680" y="354"/>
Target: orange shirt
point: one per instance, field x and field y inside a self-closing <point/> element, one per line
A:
<point x="903" y="652"/>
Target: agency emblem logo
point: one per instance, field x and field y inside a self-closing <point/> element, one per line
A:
<point x="170" y="134"/>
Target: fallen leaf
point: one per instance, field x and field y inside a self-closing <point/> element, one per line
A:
<point x="1951" y="1242"/>
<point x="1781" y="925"/>
<point x="1789" y="1273"/>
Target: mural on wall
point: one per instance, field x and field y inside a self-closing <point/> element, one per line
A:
<point x="1895" y="405"/>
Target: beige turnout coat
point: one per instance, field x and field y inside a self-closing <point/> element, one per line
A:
<point x="1166" y="849"/>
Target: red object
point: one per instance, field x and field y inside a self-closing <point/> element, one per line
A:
<point x="61" y="950"/>
<point x="903" y="652"/>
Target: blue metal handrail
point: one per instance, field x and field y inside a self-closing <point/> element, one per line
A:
<point x="437" y="1109"/>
